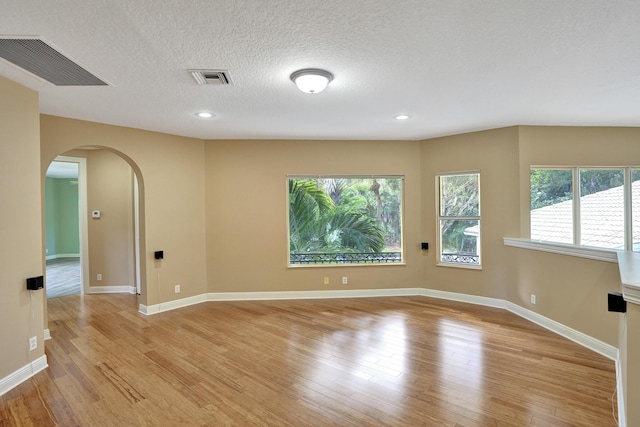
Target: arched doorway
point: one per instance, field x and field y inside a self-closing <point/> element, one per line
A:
<point x="110" y="213"/>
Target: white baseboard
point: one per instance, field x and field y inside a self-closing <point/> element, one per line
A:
<point x="22" y="374"/>
<point x="56" y="256"/>
<point x="172" y="305"/>
<point x="584" y="340"/>
<point x="278" y="295"/>
<point x="286" y="295"/>
<point x="622" y="410"/>
<point x="112" y="289"/>
<point x="471" y="299"/>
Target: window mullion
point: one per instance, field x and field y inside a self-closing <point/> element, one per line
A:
<point x="576" y="206"/>
<point x="628" y="219"/>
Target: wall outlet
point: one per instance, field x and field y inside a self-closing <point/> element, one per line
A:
<point x="345" y="280"/>
<point x="533" y="299"/>
<point x="99" y="277"/>
<point x="33" y="343"/>
<point x="326" y="280"/>
<point x="176" y="289"/>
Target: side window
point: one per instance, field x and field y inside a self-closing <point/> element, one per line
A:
<point x="635" y="209"/>
<point x="552" y="205"/>
<point x="585" y="206"/>
<point x="459" y="219"/>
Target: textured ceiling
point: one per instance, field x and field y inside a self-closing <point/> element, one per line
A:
<point x="454" y="66"/>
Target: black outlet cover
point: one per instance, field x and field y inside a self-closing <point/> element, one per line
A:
<point x="35" y="283"/>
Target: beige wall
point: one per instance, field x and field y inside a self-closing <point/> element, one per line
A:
<point x="495" y="154"/>
<point x="21" y="250"/>
<point x="170" y="170"/>
<point x="631" y="364"/>
<point x="111" y="241"/>
<point x="569" y="290"/>
<point x="246" y="196"/>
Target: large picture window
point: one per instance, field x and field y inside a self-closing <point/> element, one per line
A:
<point x="345" y="220"/>
<point x="459" y="219"/>
<point x="596" y="207"/>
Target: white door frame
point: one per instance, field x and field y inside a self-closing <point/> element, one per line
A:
<point x="82" y="217"/>
<point x="136" y="231"/>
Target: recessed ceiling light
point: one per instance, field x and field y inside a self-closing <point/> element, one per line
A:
<point x="311" y="80"/>
<point x="204" y="115"/>
<point x="401" y="116"/>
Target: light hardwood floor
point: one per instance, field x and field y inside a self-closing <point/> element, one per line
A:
<point x="402" y="361"/>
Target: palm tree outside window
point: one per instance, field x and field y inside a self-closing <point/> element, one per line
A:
<point x="345" y="219"/>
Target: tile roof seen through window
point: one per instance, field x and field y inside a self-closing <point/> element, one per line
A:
<point x="601" y="223"/>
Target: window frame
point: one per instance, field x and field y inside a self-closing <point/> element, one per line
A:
<point x="402" y="251"/>
<point x="440" y="218"/>
<point x="576" y="211"/>
<point x="575" y="214"/>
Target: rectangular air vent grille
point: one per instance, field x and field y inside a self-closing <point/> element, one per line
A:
<point x="37" y="57"/>
<point x="211" y="77"/>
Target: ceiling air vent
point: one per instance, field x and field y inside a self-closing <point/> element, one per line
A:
<point x="37" y="57"/>
<point x="211" y="77"/>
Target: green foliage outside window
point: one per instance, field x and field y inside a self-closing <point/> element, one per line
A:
<point x="550" y="186"/>
<point x="341" y="215"/>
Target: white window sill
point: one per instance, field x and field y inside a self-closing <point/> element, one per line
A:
<point x="460" y="265"/>
<point x="362" y="264"/>
<point x="609" y="255"/>
<point x="629" y="263"/>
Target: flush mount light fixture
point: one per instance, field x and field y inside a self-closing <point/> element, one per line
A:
<point x="311" y="80"/>
<point x="401" y="116"/>
<point x="204" y="115"/>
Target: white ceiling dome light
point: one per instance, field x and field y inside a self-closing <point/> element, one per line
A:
<point x="311" y="80"/>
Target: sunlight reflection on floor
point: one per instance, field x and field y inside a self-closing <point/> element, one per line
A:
<point x="369" y="357"/>
<point x="461" y="361"/>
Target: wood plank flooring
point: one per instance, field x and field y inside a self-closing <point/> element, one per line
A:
<point x="63" y="277"/>
<point x="401" y="361"/>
